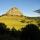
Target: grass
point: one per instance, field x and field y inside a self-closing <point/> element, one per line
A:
<point x="15" y="21"/>
<point x="12" y="22"/>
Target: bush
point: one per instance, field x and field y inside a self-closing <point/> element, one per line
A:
<point x="30" y="32"/>
<point x="2" y="27"/>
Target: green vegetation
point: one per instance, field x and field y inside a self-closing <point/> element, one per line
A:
<point x="29" y="32"/>
<point x="14" y="21"/>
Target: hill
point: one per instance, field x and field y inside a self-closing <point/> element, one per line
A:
<point x="15" y="19"/>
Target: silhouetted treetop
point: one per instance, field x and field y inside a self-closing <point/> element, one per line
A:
<point x="30" y="27"/>
<point x="2" y="26"/>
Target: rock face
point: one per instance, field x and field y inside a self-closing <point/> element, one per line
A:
<point x="13" y="11"/>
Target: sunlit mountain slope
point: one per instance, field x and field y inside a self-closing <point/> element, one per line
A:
<point x="15" y="19"/>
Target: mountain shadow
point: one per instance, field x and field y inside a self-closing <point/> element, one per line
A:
<point x="7" y="34"/>
<point x="2" y="27"/>
<point x="30" y="32"/>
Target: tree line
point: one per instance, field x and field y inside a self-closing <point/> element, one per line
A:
<point x="29" y="32"/>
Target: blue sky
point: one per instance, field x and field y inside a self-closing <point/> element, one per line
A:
<point x="26" y="6"/>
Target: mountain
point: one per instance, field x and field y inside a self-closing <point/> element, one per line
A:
<point x="14" y="18"/>
<point x="13" y="11"/>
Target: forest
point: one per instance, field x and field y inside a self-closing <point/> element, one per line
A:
<point x="30" y="32"/>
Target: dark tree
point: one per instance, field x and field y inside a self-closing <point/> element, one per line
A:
<point x="32" y="27"/>
<point x="30" y="32"/>
<point x="2" y="27"/>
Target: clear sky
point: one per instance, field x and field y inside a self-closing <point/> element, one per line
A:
<point x="26" y="6"/>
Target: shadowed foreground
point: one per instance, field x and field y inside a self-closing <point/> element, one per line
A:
<point x="30" y="32"/>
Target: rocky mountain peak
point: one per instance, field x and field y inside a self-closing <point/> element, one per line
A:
<point x="14" y="11"/>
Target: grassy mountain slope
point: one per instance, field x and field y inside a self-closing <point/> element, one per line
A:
<point x="18" y="21"/>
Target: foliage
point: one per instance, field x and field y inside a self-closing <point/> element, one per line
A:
<point x="25" y="34"/>
<point x="30" y="32"/>
<point x="2" y="26"/>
